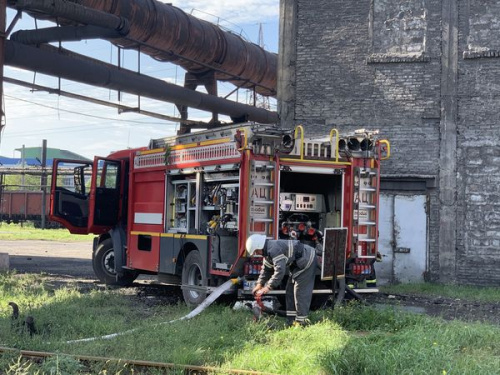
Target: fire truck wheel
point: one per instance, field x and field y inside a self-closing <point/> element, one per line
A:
<point x="104" y="266"/>
<point x="192" y="275"/>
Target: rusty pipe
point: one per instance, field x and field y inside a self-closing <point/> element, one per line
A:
<point x="97" y="73"/>
<point x="169" y="28"/>
<point x="191" y="369"/>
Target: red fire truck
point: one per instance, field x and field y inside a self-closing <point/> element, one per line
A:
<point x="183" y="207"/>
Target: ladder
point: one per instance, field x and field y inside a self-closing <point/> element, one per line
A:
<point x="365" y="212"/>
<point x="261" y="198"/>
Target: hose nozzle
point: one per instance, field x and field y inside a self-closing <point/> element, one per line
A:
<point x="237" y="280"/>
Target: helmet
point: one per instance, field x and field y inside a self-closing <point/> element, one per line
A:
<point x="255" y="242"/>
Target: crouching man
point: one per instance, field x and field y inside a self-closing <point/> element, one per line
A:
<point x="301" y="262"/>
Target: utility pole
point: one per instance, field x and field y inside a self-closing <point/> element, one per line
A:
<point x="3" y="36"/>
<point x="43" y="182"/>
<point x="23" y="165"/>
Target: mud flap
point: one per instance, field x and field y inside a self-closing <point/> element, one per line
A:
<point x="118" y="238"/>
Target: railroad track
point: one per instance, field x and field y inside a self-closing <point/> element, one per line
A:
<point x="135" y="364"/>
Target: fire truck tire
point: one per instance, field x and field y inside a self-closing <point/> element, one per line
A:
<point x="192" y="274"/>
<point x="104" y="266"/>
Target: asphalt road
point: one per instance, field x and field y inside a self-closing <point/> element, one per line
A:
<point x="56" y="258"/>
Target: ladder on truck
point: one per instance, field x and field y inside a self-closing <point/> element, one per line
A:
<point x="261" y="198"/>
<point x="365" y="212"/>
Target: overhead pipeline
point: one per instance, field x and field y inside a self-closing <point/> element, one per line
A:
<point x="52" y="61"/>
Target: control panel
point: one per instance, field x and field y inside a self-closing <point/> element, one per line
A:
<point x="301" y="202"/>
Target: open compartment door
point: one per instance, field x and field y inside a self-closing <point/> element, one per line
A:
<point x="69" y="195"/>
<point x="106" y="194"/>
<point x="334" y="248"/>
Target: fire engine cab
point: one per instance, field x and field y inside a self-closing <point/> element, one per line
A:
<point x="183" y="207"/>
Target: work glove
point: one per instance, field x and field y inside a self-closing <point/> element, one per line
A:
<point x="256" y="288"/>
<point x="262" y="291"/>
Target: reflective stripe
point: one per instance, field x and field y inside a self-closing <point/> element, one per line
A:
<point x="371" y="281"/>
<point x="311" y="258"/>
<point x="279" y="257"/>
<point x="300" y="318"/>
<point x="291" y="313"/>
<point x="290" y="249"/>
<point x="267" y="264"/>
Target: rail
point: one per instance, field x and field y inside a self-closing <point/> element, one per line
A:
<point x="301" y="129"/>
<point x="336" y="132"/>
<point x="190" y="369"/>
<point x="388" y="148"/>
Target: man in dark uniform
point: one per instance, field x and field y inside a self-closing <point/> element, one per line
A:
<point x="301" y="262"/>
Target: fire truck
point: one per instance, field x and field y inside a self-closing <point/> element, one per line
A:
<point x="182" y="207"/>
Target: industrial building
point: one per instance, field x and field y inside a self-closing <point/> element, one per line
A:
<point x="426" y="74"/>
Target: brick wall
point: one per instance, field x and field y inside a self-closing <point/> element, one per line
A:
<point x="479" y="142"/>
<point x="377" y="64"/>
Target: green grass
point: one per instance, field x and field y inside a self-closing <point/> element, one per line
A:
<point x="353" y="339"/>
<point x="469" y="293"/>
<point x="27" y="231"/>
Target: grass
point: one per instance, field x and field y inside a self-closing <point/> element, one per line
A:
<point x="463" y="292"/>
<point x="12" y="232"/>
<point x="353" y="339"/>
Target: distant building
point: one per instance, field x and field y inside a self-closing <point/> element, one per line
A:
<point x="33" y="157"/>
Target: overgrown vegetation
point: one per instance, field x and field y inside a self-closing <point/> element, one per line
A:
<point x="463" y="292"/>
<point x="27" y="231"/>
<point x="29" y="181"/>
<point x="354" y="339"/>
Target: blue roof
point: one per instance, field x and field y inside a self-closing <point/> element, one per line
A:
<point x="16" y="162"/>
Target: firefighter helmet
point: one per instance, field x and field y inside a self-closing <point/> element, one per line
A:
<point x="255" y="242"/>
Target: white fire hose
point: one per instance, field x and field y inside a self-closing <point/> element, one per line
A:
<point x="202" y="306"/>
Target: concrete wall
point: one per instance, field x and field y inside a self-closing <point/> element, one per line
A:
<point x="427" y="74"/>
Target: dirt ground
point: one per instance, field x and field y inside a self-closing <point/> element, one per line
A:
<point x="65" y="263"/>
<point x="437" y="306"/>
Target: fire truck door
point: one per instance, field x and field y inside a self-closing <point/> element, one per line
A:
<point x="69" y="194"/>
<point x="105" y="194"/>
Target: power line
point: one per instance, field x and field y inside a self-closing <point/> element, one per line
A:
<point x="85" y="114"/>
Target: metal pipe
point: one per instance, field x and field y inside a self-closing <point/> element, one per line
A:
<point x="121" y="108"/>
<point x="72" y="11"/>
<point x="174" y="36"/>
<point x="98" y="73"/>
<point x="133" y="362"/>
<point x="169" y="28"/>
<point x="63" y="34"/>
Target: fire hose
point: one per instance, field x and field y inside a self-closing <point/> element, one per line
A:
<point x="260" y="308"/>
<point x="207" y="302"/>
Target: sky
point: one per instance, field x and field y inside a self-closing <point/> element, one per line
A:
<point x="92" y="130"/>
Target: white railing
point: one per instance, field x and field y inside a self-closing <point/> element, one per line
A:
<point x="188" y="155"/>
<point x="204" y="153"/>
<point x="150" y="160"/>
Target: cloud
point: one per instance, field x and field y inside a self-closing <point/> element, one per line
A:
<point x="235" y="11"/>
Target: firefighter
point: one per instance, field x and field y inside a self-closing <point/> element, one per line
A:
<point x="301" y="262"/>
<point x="371" y="280"/>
